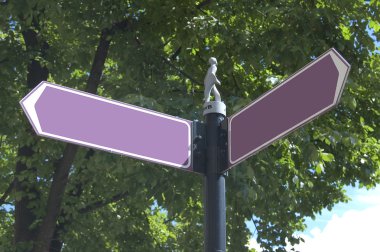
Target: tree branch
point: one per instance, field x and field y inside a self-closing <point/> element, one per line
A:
<point x="6" y="193"/>
<point x="77" y="189"/>
<point x="36" y="72"/>
<point x="254" y="223"/>
<point x="98" y="62"/>
<point x="101" y="55"/>
<point x="55" y="197"/>
<point x="176" y="53"/>
<point x="56" y="243"/>
<point x="203" y="4"/>
<point x="119" y="26"/>
<point x="171" y="219"/>
<point x="168" y="62"/>
<point x="99" y="204"/>
<point x="4" y="60"/>
<point x="61" y="174"/>
<point x="235" y="82"/>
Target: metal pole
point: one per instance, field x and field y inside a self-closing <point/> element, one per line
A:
<point x="215" y="199"/>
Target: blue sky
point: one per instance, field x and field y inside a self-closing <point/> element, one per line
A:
<point x="348" y="227"/>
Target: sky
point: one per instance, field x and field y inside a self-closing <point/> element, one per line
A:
<point x="348" y="227"/>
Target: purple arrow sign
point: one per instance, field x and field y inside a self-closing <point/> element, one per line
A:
<point x="70" y="115"/>
<point x="305" y="95"/>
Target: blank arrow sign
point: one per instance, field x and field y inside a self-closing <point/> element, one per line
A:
<point x="308" y="93"/>
<point x="93" y="121"/>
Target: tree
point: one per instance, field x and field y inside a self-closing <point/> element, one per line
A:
<point x="61" y="197"/>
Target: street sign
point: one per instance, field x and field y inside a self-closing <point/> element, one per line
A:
<point x="305" y="95"/>
<point x="81" y="118"/>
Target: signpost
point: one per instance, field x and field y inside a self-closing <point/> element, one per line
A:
<point x="305" y="95"/>
<point x="81" y="118"/>
<point x="85" y="119"/>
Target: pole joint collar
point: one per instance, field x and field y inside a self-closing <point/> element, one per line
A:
<point x="214" y="107"/>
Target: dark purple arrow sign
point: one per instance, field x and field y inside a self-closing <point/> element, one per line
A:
<point x="305" y="95"/>
<point x="90" y="120"/>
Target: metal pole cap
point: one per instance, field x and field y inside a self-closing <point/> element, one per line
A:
<point x="214" y="107"/>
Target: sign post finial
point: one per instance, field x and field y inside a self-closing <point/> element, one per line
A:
<point x="210" y="80"/>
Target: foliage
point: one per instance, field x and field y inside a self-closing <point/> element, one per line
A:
<point x="157" y="57"/>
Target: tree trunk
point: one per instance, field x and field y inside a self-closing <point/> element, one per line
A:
<point x="24" y="215"/>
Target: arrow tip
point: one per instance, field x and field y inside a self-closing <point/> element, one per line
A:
<point x="28" y="105"/>
<point x="343" y="68"/>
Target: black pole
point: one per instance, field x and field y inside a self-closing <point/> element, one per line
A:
<point x="215" y="199"/>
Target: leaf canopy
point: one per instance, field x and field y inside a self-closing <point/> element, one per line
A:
<point x="157" y="57"/>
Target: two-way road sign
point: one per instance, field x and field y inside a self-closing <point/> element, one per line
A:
<point x="93" y="121"/>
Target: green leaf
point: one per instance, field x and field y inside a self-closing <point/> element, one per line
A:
<point x="328" y="157"/>
<point x="319" y="168"/>
<point x="375" y="25"/>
